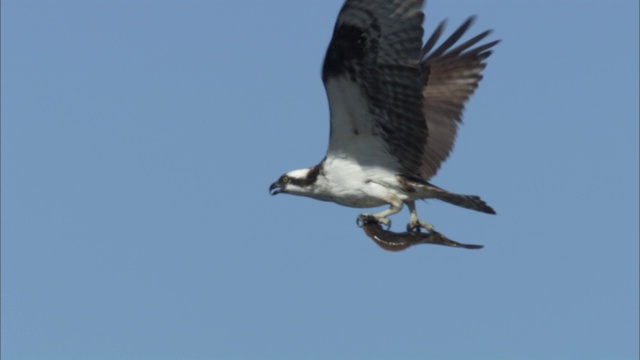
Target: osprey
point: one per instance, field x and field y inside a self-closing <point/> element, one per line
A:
<point x="395" y="106"/>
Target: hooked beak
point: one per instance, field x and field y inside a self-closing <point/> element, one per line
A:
<point x="275" y="189"/>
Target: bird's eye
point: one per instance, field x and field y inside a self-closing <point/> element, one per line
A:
<point x="285" y="179"/>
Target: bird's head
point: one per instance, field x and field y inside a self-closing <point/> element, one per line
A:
<point x="296" y="182"/>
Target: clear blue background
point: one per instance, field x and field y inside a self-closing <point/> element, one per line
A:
<point x="139" y="139"/>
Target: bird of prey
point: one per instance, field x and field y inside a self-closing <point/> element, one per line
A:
<point x="395" y="106"/>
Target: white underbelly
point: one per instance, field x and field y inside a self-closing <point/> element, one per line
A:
<point x="358" y="199"/>
<point x="349" y="184"/>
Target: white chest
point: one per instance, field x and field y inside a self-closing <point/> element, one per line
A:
<point x="347" y="183"/>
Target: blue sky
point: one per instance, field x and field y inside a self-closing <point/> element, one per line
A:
<point x="139" y="139"/>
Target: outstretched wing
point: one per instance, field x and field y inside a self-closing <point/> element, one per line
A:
<point x="372" y="77"/>
<point x="450" y="75"/>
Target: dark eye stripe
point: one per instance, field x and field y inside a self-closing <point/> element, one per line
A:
<point x="310" y="179"/>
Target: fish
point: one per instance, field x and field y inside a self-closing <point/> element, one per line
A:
<point x="397" y="241"/>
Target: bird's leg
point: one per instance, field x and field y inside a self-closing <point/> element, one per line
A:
<point x="382" y="217"/>
<point x="415" y="224"/>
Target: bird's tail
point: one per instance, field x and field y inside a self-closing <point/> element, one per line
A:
<point x="425" y="190"/>
<point x="466" y="201"/>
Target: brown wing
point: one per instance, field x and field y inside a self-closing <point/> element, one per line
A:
<point x="372" y="76"/>
<point x="450" y="75"/>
